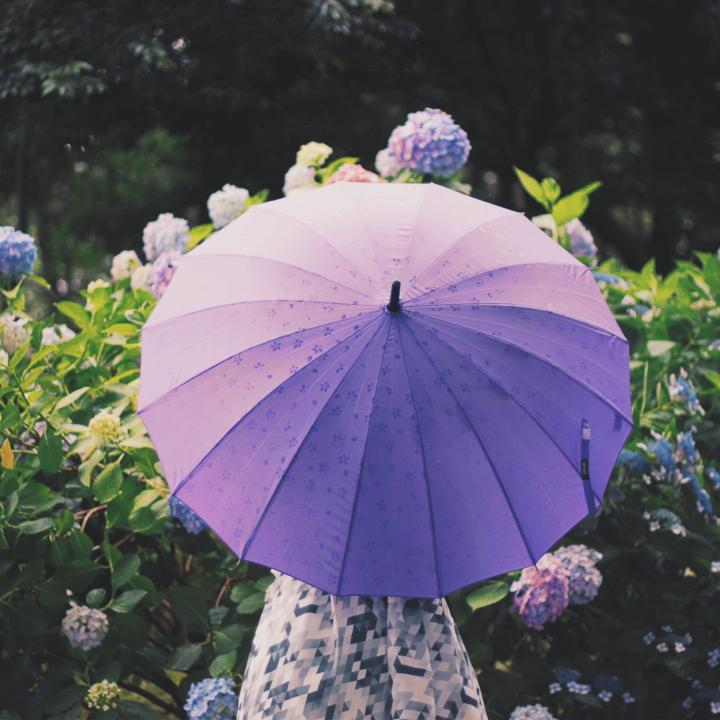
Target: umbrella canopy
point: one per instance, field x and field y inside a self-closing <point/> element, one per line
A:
<point x="369" y="444"/>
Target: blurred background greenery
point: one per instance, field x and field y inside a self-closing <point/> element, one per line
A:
<point x="113" y="112"/>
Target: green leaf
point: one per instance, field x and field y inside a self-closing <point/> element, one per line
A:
<point x="77" y="313"/>
<point x="656" y="348"/>
<point x="229" y="638"/>
<point x="551" y="189"/>
<point x="488" y="594"/>
<point x="96" y="597"/>
<point x="251" y="604"/>
<point x="532" y="187"/>
<point x="589" y="188"/>
<point x="223" y="664"/>
<point x="569" y="208"/>
<point x="138" y="442"/>
<point x="189" y="604"/>
<point x="108" y="482"/>
<point x="184" y="657"/>
<point x="86" y="468"/>
<point x="35" y="527"/>
<point x="258" y="198"/>
<point x="124" y="329"/>
<point x="50" y="452"/>
<point x="124" y="570"/>
<point x="198" y="234"/>
<point x="127" y="601"/>
<point x="711" y="375"/>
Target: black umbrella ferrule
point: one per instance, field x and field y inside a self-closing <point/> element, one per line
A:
<point x="394" y="305"/>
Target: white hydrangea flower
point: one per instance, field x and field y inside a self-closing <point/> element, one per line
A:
<point x="56" y="334"/>
<point x="313" y="154"/>
<point x="386" y="163"/>
<point x="164" y="234"/>
<point x="142" y="277"/>
<point x="123" y="265"/>
<point x="227" y="204"/>
<point x="299" y="178"/>
<point x="14" y="332"/>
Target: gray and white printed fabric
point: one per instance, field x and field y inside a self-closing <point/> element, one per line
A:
<point x="323" y="657"/>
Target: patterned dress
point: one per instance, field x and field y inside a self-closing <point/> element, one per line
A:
<point x="323" y="657"/>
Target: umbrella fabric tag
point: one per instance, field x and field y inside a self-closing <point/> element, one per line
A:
<point x="585" y="466"/>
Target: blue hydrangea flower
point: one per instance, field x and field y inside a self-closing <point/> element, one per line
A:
<point x="633" y="461"/>
<point x="17" y="252"/>
<point x="607" y="683"/>
<point x="713" y="476"/>
<point x="582" y="243"/>
<point x="682" y="390"/>
<point x="686" y="446"/>
<point x="212" y="699"/>
<point x="608" y="279"/>
<point x="704" y="504"/>
<point x="165" y="234"/>
<point x="430" y="142"/>
<point x="189" y="519"/>
<point x="565" y="675"/>
<point x="664" y="453"/>
<point x="84" y="627"/>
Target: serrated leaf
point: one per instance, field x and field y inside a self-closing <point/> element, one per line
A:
<point x="50" y="452"/>
<point x="223" y="664"/>
<point x="127" y="601"/>
<point x="124" y="570"/>
<point x="251" y="604"/>
<point x="569" y="208"/>
<point x="7" y="455"/>
<point x="77" y="313"/>
<point x="96" y="597"/>
<point x="532" y="187"/>
<point x="488" y="594"/>
<point x="184" y="657"/>
<point x="108" y="482"/>
<point x="35" y="527"/>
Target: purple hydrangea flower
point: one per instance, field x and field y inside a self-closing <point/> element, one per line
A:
<point x="165" y="234"/>
<point x="17" y="252"/>
<point x="582" y="243"/>
<point x="430" y="142"/>
<point x="584" y="578"/>
<point x="84" y="627"/>
<point x="189" y="519"/>
<point x="542" y="592"/>
<point x="163" y="270"/>
<point x="212" y="699"/>
<point x="633" y="461"/>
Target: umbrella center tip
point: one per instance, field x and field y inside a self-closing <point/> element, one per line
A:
<point x="394" y="305"/>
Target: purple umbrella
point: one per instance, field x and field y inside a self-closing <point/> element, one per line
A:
<point x="385" y="389"/>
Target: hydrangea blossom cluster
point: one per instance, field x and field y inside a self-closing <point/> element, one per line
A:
<point x="663" y="519"/>
<point x="387" y="164"/>
<point x="531" y="712"/>
<point x="682" y="390"/>
<point x="607" y="686"/>
<point x="582" y="243"/>
<point x="163" y="269"/>
<point x="56" y="334"/>
<point x="608" y="279"/>
<point x="351" y="172"/>
<point x="142" y="277"/>
<point x="102" y="696"/>
<point x="584" y="578"/>
<point x="105" y="428"/>
<point x="667" y="640"/>
<point x="165" y="233"/>
<point x="124" y="264"/>
<point x="430" y="142"/>
<point x="190" y="520"/>
<point x="84" y="627"/>
<point x="313" y="154"/>
<point x="299" y="178"/>
<point x="541" y="593"/>
<point x="212" y="699"/>
<point x="17" y="252"/>
<point x="227" y="204"/>
<point x="13" y="332"/>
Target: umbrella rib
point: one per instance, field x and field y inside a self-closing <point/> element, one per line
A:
<point x="500" y="483"/>
<point x="360" y="471"/>
<point x="285" y="474"/>
<point x="602" y="398"/>
<point x="585" y="323"/>
<point x="166" y="322"/>
<point x="425" y="468"/>
<point x="249" y="349"/>
<point x="495" y="268"/>
<point x="517" y="402"/>
<point x="232" y="427"/>
<point x="446" y="252"/>
<point x="315" y="232"/>
<point x="277" y="262"/>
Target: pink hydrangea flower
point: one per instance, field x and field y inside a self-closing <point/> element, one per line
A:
<point x="541" y="593"/>
<point x="353" y="173"/>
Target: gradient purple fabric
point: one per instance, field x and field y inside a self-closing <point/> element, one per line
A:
<point x="373" y="452"/>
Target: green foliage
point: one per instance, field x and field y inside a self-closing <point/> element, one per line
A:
<point x="84" y="516"/>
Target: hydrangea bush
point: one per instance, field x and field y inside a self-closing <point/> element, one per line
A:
<point x="116" y="602"/>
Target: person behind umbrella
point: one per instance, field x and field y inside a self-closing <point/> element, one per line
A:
<point x="321" y="656"/>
